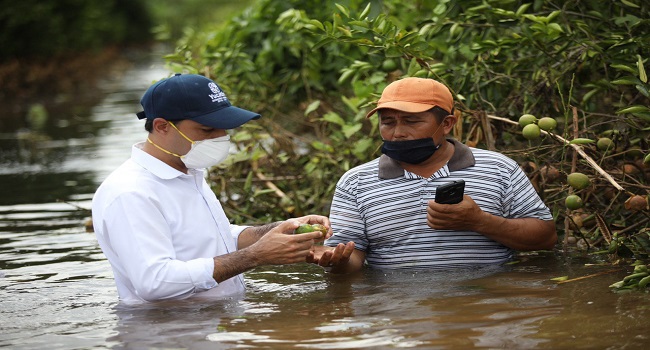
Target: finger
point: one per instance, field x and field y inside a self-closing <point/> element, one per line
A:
<point x="319" y="219"/>
<point x="349" y="249"/>
<point x="308" y="236"/>
<point x="287" y="226"/>
<point x="325" y="259"/>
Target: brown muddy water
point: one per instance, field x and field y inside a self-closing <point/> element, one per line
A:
<point x="57" y="291"/>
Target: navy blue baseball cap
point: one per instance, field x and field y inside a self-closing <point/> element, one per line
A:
<point x="193" y="97"/>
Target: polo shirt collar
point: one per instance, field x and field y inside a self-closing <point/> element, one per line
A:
<point x="156" y="166"/>
<point x="462" y="158"/>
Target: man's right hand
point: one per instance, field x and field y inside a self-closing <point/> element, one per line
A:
<point x="280" y="246"/>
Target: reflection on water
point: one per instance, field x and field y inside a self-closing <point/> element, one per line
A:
<point x="57" y="291"/>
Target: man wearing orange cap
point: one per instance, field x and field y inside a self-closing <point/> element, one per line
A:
<point x="384" y="212"/>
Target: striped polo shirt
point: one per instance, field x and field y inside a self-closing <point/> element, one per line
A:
<point x="383" y="209"/>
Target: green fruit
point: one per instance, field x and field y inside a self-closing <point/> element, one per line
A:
<point x="573" y="202"/>
<point x="389" y="65"/>
<point x="319" y="227"/>
<point x="526" y="119"/>
<point x="547" y="123"/>
<point x="613" y="247"/>
<point x="531" y="131"/>
<point x="646" y="160"/>
<point x="578" y="181"/>
<point x="645" y="281"/>
<point x="605" y="144"/>
<point x="634" y="276"/>
<point x="304" y="228"/>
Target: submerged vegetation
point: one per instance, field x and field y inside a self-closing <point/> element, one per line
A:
<point x="313" y="69"/>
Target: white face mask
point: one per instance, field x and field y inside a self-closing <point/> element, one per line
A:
<point x="204" y="153"/>
<point x="207" y="153"/>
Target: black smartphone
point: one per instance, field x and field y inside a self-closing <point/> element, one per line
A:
<point x="450" y="193"/>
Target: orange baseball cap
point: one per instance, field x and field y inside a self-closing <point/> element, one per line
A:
<point x="414" y="95"/>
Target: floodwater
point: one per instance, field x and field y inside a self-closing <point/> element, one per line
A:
<point x="57" y="291"/>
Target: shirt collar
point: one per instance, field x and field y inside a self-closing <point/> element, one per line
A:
<point x="153" y="164"/>
<point x="462" y="158"/>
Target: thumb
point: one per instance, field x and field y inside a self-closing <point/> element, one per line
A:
<point x="287" y="227"/>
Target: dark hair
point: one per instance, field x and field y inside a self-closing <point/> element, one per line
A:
<point x="440" y="113"/>
<point x="148" y="124"/>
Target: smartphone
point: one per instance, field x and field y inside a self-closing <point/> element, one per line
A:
<point x="450" y="193"/>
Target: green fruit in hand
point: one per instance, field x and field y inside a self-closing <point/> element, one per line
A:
<point x="547" y="123"/>
<point x="526" y="119"/>
<point x="304" y="228"/>
<point x="388" y="65"/>
<point x="573" y="202"/>
<point x="605" y="143"/>
<point x="531" y="131"/>
<point x="319" y="227"/>
<point x="578" y="181"/>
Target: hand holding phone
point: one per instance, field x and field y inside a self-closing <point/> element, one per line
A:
<point x="450" y="193"/>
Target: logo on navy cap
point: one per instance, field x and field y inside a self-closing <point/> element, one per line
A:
<point x="217" y="95"/>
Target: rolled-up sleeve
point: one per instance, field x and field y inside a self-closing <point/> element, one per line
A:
<point x="236" y="230"/>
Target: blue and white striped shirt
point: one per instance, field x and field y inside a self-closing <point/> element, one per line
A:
<point x="382" y="208"/>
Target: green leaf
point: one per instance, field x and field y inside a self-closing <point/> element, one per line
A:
<point x="626" y="81"/>
<point x="351" y="129"/>
<point x="343" y="10"/>
<point x="634" y="109"/>
<point x="312" y="107"/>
<point x="552" y="15"/>
<point x="589" y="94"/>
<point x="332" y="117"/>
<point x="630" y="4"/>
<point x="522" y="9"/>
<point x="360" y="24"/>
<point x="556" y="27"/>
<point x="322" y="146"/>
<point x="393" y="51"/>
<point x="322" y="43"/>
<point x="365" y="12"/>
<point x="624" y="68"/>
<point x="642" y="89"/>
<point x="317" y="23"/>
<point x="560" y="279"/>
<point x="642" y="74"/>
<point x="249" y="182"/>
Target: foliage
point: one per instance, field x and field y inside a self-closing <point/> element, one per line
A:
<point x="313" y="71"/>
<point x="33" y="28"/>
<point x="174" y="18"/>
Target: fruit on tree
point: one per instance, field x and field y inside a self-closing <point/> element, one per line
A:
<point x="389" y="65"/>
<point x="531" y="131"/>
<point x="526" y="119"/>
<point x="547" y="123"/>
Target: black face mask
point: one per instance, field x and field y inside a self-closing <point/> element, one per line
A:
<point x="411" y="151"/>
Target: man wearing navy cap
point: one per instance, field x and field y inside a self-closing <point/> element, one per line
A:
<point x="156" y="218"/>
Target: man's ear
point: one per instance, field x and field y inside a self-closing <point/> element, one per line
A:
<point x="449" y="122"/>
<point x="161" y="125"/>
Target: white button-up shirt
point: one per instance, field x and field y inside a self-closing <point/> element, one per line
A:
<point x="160" y="229"/>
